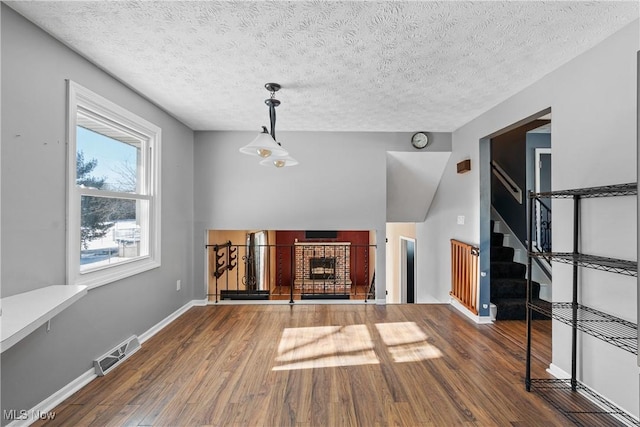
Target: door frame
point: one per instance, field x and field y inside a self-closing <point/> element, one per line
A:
<point x="538" y="152"/>
<point x="403" y="269"/>
<point x="536" y="186"/>
<point x="485" y="209"/>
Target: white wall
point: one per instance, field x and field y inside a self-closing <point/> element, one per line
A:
<point x="593" y="102"/>
<point x="339" y="184"/>
<point x="412" y="181"/>
<point x="457" y="195"/>
<point x="34" y="69"/>
<point x="395" y="230"/>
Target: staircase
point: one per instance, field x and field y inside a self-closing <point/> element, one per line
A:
<point x="508" y="281"/>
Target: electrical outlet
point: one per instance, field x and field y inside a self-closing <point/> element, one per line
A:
<point x="460" y="219"/>
<point x="178" y="285"/>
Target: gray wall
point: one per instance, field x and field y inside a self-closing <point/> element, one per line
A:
<point x="594" y="118"/>
<point x="594" y="114"/>
<point x="34" y="69"/>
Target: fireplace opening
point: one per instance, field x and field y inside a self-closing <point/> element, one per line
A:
<point x="322" y="268"/>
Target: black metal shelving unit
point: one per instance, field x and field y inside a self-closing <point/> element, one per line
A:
<point x="613" y="265"/>
<point x="597" y="412"/>
<point x="611" y="329"/>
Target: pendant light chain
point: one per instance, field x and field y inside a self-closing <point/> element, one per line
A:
<point x="272" y="118"/>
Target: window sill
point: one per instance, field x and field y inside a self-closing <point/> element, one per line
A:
<point x="24" y="313"/>
<point x="101" y="277"/>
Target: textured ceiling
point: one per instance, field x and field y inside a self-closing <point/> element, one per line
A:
<point x="343" y="66"/>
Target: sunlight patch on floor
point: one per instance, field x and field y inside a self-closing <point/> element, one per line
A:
<point x="406" y="342"/>
<point x="324" y="347"/>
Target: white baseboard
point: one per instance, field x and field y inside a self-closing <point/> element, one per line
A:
<point x="43" y="408"/>
<point x="167" y="320"/>
<point x="560" y="374"/>
<point x="464" y="310"/>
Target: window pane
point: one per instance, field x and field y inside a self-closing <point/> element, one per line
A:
<point x="107" y="162"/>
<point x="112" y="231"/>
<point x="113" y="190"/>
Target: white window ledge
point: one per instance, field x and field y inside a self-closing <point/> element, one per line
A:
<point x="23" y="313"/>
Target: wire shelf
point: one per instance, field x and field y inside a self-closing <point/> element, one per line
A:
<point x="580" y="404"/>
<point x="614" y="330"/>
<point x="604" y="191"/>
<point x="614" y="265"/>
<point x="591" y="410"/>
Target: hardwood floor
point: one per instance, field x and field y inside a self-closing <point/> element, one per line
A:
<point x="321" y="365"/>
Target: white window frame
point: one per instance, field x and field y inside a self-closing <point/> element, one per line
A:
<point x="89" y="103"/>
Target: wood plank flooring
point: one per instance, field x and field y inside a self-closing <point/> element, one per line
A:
<point x="321" y="365"/>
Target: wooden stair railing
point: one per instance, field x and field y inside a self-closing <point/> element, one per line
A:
<point x="464" y="274"/>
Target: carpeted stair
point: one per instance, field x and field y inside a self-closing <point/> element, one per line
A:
<point x="508" y="282"/>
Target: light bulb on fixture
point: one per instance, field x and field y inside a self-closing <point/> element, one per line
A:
<point x="265" y="144"/>
<point x="279" y="161"/>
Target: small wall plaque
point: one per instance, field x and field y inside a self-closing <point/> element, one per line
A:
<point x="464" y="166"/>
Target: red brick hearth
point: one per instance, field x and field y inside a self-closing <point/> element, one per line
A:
<point x="331" y="260"/>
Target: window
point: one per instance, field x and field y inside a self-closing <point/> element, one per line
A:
<point x="113" y="191"/>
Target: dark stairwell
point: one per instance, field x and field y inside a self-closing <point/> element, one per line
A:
<point x="508" y="282"/>
<point x="517" y="166"/>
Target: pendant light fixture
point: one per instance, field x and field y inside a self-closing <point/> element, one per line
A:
<point x="265" y="144"/>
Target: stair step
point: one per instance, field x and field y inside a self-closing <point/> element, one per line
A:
<point x="513" y="270"/>
<point x="501" y="253"/>
<point x="515" y="309"/>
<point x="512" y="288"/>
<point x="497" y="239"/>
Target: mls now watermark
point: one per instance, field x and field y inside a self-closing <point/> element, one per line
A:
<point x="24" y="415"/>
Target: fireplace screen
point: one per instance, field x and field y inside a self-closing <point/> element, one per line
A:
<point x="322" y="268"/>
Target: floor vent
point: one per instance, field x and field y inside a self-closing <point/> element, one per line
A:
<point x="116" y="356"/>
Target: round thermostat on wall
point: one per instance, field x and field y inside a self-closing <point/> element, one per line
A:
<point x="420" y="140"/>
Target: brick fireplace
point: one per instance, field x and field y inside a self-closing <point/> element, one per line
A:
<point x="323" y="267"/>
